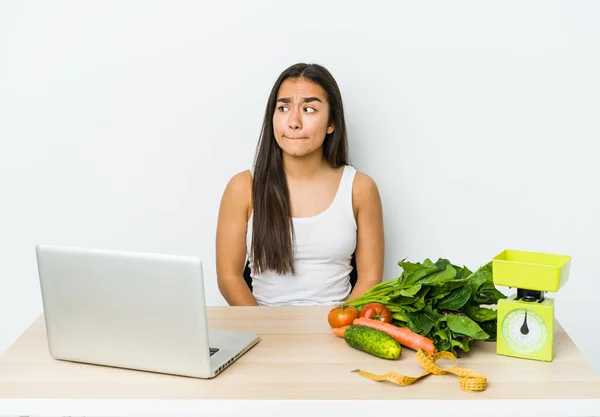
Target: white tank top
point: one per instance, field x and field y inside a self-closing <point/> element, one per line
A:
<point x="323" y="248"/>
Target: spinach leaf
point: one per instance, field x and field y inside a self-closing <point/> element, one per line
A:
<point x="423" y="321"/>
<point x="491" y="328"/>
<point x="441" y="340"/>
<point x="440" y="277"/>
<point x="410" y="291"/>
<point x="408" y="267"/>
<point x="401" y="317"/>
<point x="441" y="291"/>
<point x="456" y="299"/>
<point x="462" y="272"/>
<point x="416" y="274"/>
<point x="480" y="276"/>
<point x="418" y="304"/>
<point x="480" y="314"/>
<point x="464" y="325"/>
<point x="482" y="284"/>
<point x="461" y="342"/>
<point x="442" y="263"/>
<point x="488" y="294"/>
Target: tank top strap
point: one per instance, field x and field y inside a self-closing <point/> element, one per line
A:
<point x="345" y="191"/>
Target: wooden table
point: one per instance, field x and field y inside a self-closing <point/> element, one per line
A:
<point x="298" y="368"/>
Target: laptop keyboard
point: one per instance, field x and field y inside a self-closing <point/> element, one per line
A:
<point x="213" y="351"/>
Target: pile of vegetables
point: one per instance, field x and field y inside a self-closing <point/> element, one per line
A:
<point x="439" y="301"/>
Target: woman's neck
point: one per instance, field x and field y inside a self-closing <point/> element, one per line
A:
<point x="305" y="167"/>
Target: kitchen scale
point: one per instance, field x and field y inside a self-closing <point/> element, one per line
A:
<point x="526" y="319"/>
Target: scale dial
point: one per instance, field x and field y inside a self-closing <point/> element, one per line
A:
<point x="524" y="331"/>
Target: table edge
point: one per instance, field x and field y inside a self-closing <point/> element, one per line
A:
<point x="267" y="408"/>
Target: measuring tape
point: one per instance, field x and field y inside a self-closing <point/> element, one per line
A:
<point x="468" y="380"/>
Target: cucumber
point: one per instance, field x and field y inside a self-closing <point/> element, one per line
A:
<point x="372" y="341"/>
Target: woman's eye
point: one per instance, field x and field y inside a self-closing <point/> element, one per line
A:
<point x="309" y="109"/>
<point x="282" y="108"/>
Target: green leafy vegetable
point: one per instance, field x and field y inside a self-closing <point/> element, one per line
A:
<point x="480" y="314"/>
<point x="465" y="326"/>
<point x="441" y="301"/>
<point x="456" y="299"/>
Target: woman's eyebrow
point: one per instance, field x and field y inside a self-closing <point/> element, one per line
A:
<point x="303" y="100"/>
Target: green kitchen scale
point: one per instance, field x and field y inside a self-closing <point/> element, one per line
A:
<point x="526" y="319"/>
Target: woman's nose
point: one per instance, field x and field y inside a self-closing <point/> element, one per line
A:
<point x="294" y="121"/>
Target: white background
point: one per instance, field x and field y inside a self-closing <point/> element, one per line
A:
<point x="121" y="123"/>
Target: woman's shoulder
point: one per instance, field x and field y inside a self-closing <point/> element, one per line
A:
<point x="239" y="189"/>
<point x="364" y="191"/>
<point x="241" y="181"/>
<point x="363" y="184"/>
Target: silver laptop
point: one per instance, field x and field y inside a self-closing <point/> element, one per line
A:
<point x="132" y="310"/>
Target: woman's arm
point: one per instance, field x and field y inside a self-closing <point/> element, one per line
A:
<point x="231" y="240"/>
<point x="370" y="244"/>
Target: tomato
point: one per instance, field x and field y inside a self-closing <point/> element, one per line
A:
<point x="342" y="316"/>
<point x="376" y="311"/>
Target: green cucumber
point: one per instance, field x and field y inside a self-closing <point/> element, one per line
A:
<point x="372" y="341"/>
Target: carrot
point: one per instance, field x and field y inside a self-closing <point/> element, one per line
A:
<point x="402" y="335"/>
<point x="339" y="331"/>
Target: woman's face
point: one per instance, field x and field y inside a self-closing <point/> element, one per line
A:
<point x="301" y="118"/>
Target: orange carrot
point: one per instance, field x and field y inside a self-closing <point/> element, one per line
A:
<point x="339" y="331"/>
<point x="402" y="335"/>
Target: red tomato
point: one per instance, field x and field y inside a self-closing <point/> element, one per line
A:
<point x="376" y="311"/>
<point x="342" y="316"/>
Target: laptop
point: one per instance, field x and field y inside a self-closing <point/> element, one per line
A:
<point x="132" y="310"/>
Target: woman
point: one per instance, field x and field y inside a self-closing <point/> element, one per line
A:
<point x="304" y="211"/>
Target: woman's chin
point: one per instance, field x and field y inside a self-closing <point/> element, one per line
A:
<point x="297" y="153"/>
<point x="300" y="151"/>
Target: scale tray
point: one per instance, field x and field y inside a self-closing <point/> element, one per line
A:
<point x="531" y="270"/>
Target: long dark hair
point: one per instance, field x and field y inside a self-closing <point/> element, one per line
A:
<point x="272" y="227"/>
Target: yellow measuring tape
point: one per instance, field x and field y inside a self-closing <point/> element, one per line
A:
<point x="468" y="380"/>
